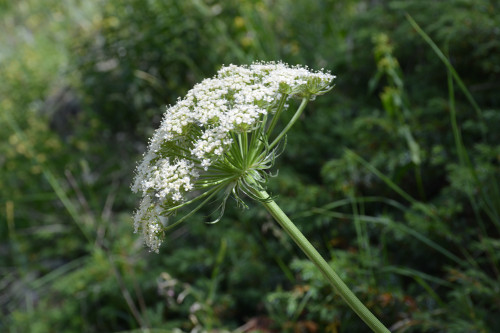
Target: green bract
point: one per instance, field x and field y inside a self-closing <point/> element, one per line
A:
<point x="218" y="141"/>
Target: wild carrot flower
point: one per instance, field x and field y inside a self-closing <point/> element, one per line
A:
<point x="218" y="141"/>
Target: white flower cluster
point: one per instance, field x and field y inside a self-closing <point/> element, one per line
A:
<point x="195" y="132"/>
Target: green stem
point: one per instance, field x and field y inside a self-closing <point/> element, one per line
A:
<point x="344" y="291"/>
<point x="277" y="115"/>
<point x="296" y="116"/>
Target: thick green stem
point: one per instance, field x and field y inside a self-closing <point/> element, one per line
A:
<point x="344" y="291"/>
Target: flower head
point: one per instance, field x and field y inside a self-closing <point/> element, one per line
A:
<point x="216" y="141"/>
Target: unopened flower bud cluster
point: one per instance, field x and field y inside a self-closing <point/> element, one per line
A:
<point x="195" y="132"/>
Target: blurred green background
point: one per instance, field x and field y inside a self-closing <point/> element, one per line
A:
<point x="393" y="175"/>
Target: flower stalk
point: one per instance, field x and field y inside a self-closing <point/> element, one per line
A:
<point x="295" y="117"/>
<point x="342" y="289"/>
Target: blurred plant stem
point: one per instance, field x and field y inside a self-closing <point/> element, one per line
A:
<point x="339" y="285"/>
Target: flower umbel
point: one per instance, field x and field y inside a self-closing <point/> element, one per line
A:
<point x="219" y="141"/>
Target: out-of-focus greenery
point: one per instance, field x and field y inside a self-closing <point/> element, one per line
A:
<point x="394" y="175"/>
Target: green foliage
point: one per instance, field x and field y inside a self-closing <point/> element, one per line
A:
<point x="393" y="176"/>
